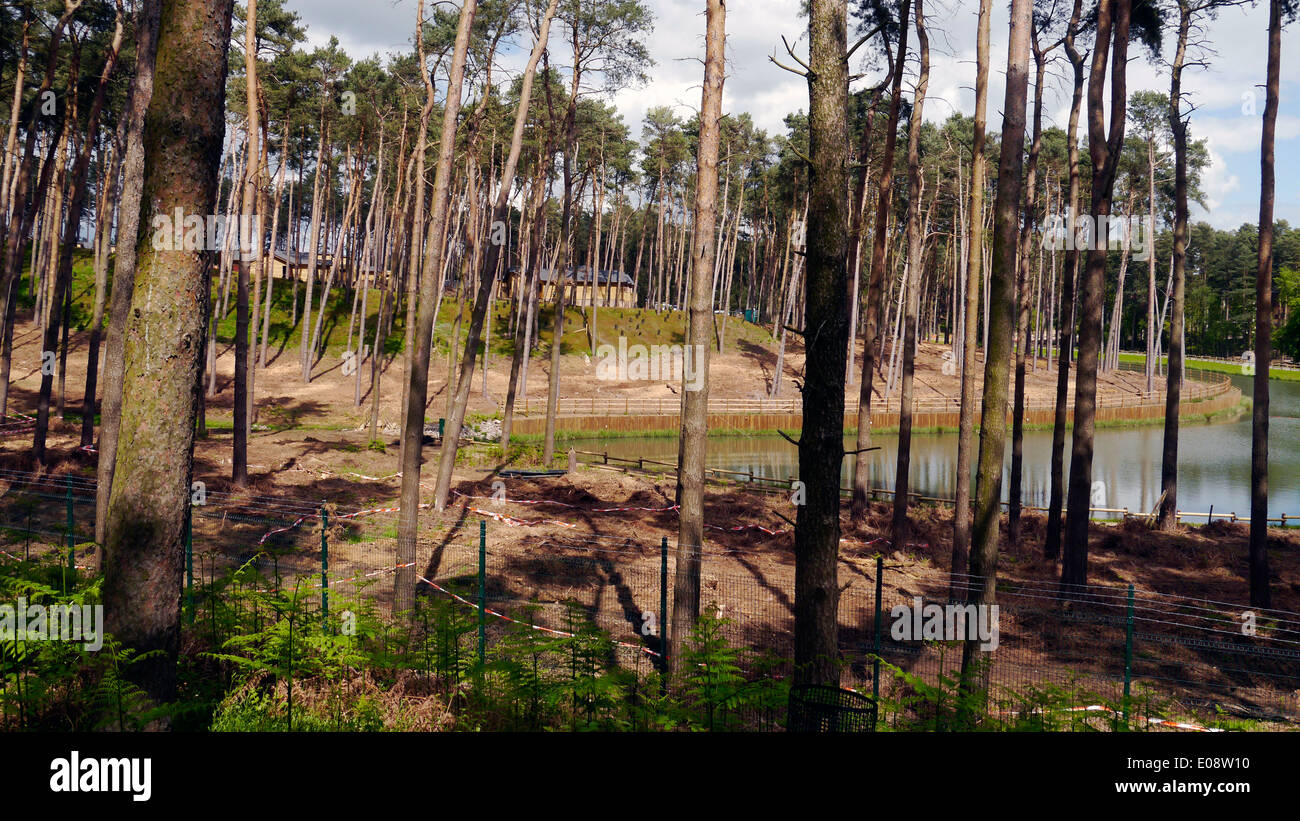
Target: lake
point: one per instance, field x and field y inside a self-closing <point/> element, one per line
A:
<point x="1213" y="460"/>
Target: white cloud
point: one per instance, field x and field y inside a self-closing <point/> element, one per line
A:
<point x="1217" y="181"/>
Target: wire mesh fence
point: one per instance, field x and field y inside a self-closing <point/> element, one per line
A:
<point x="1176" y="660"/>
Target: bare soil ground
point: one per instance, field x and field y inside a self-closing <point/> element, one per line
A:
<point x="744" y="370"/>
<point x="314" y="452"/>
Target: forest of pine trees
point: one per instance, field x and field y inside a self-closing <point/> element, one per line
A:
<point x="365" y="193"/>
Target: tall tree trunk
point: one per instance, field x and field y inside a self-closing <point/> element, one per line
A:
<point x="566" y="243"/>
<point x="419" y="188"/>
<point x="695" y="373"/>
<point x="313" y="246"/>
<point x="23" y="212"/>
<point x="125" y="262"/>
<point x="997" y="356"/>
<point x="912" y="283"/>
<point x="1168" y="519"/>
<point x="63" y="276"/>
<point x="1259" y="592"/>
<point x="103" y="231"/>
<point x="532" y="280"/>
<point x="875" y="283"/>
<point x="270" y="264"/>
<point x="974" y="256"/>
<point x="150" y="500"/>
<point x="487" y="272"/>
<point x="1104" y="150"/>
<point x="252" y="179"/>
<point x="15" y="110"/>
<point x="1015" y="492"/>
<point x="1052" y="542"/>
<point x="1151" y="265"/>
<point x="826" y="333"/>
<point x="413" y="431"/>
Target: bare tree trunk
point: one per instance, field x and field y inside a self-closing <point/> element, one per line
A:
<point x="1259" y="592"/>
<point x="313" y="246"/>
<point x="997" y="356"/>
<point x="150" y="500"/>
<point x="1168" y="519"/>
<point x="1105" y="154"/>
<point x="125" y="262"/>
<point x="826" y="334"/>
<point x="858" y="216"/>
<point x="270" y="265"/>
<point x="487" y="273"/>
<point x="103" y="232"/>
<point x="532" y="279"/>
<point x="912" y="284"/>
<point x="875" y="284"/>
<point x="23" y="213"/>
<point x="1015" y="492"/>
<point x="413" y="430"/>
<point x="252" y="178"/>
<point x="1151" y="267"/>
<point x="416" y="262"/>
<point x="1052" y="543"/>
<point x="15" y="110"/>
<point x="695" y="372"/>
<point x="974" y="255"/>
<point x="63" y="276"/>
<point x="566" y="255"/>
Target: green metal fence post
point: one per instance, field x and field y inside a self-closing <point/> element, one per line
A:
<point x="72" y="539"/>
<point x="189" y="564"/>
<point x="324" y="569"/>
<point x="482" y="591"/>
<point x="875" y="642"/>
<point x="1128" y="653"/>
<point x="663" y="608"/>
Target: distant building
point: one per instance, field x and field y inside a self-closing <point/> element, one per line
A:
<point x="286" y="262"/>
<point x="611" y="288"/>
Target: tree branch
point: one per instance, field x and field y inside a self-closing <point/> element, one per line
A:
<point x="794" y="56"/>
<point x="787" y="68"/>
<point x="864" y="39"/>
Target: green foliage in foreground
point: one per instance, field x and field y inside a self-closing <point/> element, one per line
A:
<point x="260" y="656"/>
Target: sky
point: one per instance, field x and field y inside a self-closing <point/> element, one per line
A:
<point x="1227" y="92"/>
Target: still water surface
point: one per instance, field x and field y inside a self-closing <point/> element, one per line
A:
<point x="1213" y="460"/>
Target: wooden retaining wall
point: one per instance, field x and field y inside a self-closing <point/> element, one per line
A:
<point x="1040" y="416"/>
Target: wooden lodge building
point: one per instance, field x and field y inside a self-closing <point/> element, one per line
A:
<point x="614" y="289"/>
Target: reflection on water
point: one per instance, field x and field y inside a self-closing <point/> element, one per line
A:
<point x="1213" y="460"/>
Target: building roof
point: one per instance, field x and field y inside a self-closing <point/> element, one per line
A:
<point x="300" y="258"/>
<point x="584" y="277"/>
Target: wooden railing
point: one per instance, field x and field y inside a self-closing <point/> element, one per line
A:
<point x="1200" y="385"/>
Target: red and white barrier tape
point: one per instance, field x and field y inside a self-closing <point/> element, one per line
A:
<point x="740" y="528"/>
<point x="326" y="473"/>
<point x="511" y="521"/>
<point x="1158" y="722"/>
<point x="1101" y="708"/>
<point x="22" y="423"/>
<point x="354" y="515"/>
<point x="341" y="579"/>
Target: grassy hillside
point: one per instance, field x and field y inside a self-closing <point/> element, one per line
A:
<point x="639" y="325"/>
